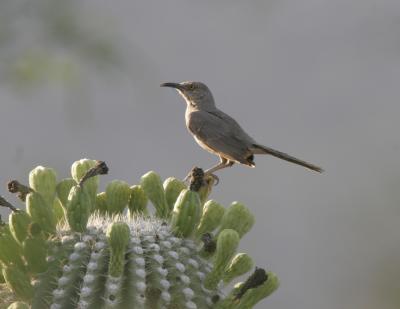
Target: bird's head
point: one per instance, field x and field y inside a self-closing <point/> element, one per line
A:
<point x="196" y="94"/>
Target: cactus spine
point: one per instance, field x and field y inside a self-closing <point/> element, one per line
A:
<point x="109" y="251"/>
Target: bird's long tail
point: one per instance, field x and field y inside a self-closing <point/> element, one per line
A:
<point x="260" y="149"/>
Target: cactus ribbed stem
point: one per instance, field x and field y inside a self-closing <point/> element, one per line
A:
<point x="66" y="294"/>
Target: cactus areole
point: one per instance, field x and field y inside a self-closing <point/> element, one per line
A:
<point x="111" y="250"/>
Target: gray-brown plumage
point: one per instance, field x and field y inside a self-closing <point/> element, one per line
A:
<point x="219" y="133"/>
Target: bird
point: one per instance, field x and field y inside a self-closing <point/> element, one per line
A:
<point x="220" y="134"/>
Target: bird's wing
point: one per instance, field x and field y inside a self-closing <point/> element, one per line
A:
<point x="222" y="134"/>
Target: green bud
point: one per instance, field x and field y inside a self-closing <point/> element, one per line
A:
<point x="101" y="203"/>
<point x="78" y="208"/>
<point x="79" y="169"/>
<point x="1" y="274"/>
<point x="172" y="187"/>
<point x="254" y="295"/>
<point x="237" y="217"/>
<point x="10" y="250"/>
<point x="34" y="249"/>
<point x="18" y="281"/>
<point x="63" y="188"/>
<point x="227" y="242"/>
<point x="18" y="223"/>
<point x="152" y="186"/>
<point x="240" y="264"/>
<point x="186" y="213"/>
<point x="117" y="196"/>
<point x="18" y="305"/>
<point x="34" y="229"/>
<point x="41" y="212"/>
<point x="137" y="201"/>
<point x="44" y="180"/>
<point x="206" y="188"/>
<point x="58" y="209"/>
<point x="118" y="236"/>
<point x="211" y="217"/>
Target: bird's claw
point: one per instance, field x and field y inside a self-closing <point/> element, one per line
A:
<point x="214" y="177"/>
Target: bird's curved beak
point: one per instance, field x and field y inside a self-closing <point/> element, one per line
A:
<point x="172" y="85"/>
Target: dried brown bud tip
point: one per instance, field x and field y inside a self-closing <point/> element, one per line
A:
<point x="196" y="177"/>
<point x="100" y="168"/>
<point x="209" y="244"/>
<point x="15" y="186"/>
<point x="256" y="279"/>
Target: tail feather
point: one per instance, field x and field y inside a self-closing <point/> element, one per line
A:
<point x="260" y="149"/>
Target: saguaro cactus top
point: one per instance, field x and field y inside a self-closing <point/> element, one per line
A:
<point x="77" y="248"/>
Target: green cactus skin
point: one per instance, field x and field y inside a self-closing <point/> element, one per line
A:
<point x="18" y="223"/>
<point x="227" y="242"/>
<point x="206" y="188"/>
<point x="152" y="186"/>
<point x="237" y="217"/>
<point x="138" y="201"/>
<point x="79" y="169"/>
<point x="18" y="281"/>
<point x="127" y="260"/>
<point x="79" y="206"/>
<point x="34" y="249"/>
<point x="101" y="203"/>
<point x="186" y="213"/>
<point x="44" y="180"/>
<point x="10" y="249"/>
<point x="18" y="305"/>
<point x="211" y="218"/>
<point x="48" y="281"/>
<point x="41" y="212"/>
<point x="117" y="196"/>
<point x="172" y="187"/>
<point x="118" y="235"/>
<point x="240" y="264"/>
<point x="59" y="212"/>
<point x="63" y="188"/>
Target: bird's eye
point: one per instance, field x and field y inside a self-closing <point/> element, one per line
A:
<point x="192" y="86"/>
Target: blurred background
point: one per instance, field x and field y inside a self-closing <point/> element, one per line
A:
<point x="316" y="79"/>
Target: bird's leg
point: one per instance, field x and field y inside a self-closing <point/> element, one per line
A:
<point x="223" y="164"/>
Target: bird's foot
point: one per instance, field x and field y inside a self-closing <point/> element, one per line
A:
<point x="197" y="178"/>
<point x="213" y="176"/>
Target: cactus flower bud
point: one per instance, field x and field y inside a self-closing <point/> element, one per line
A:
<point x="10" y="250"/>
<point x="63" y="188"/>
<point x="227" y="242"/>
<point x="34" y="249"/>
<point x="137" y="201"/>
<point x="79" y="169"/>
<point x="118" y="236"/>
<point x="18" y="281"/>
<point x="205" y="189"/>
<point x="240" y="264"/>
<point x="41" y="212"/>
<point x="186" y="213"/>
<point x="18" y="305"/>
<point x="78" y="208"/>
<point x="237" y="217"/>
<point x="18" y="223"/>
<point x="101" y="203"/>
<point x="117" y="196"/>
<point x="172" y="187"/>
<point x="211" y="217"/>
<point x="254" y="295"/>
<point x="152" y="186"/>
<point x="44" y="180"/>
<point x="58" y="209"/>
